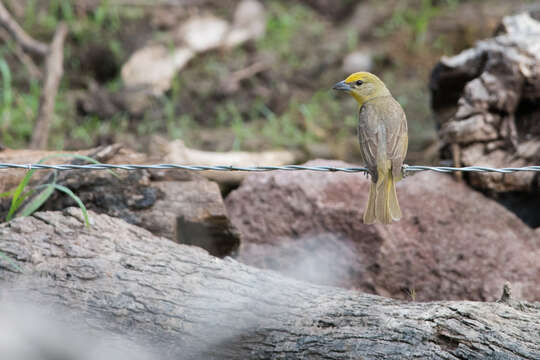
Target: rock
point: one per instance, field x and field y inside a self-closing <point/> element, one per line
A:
<point x="452" y="243"/>
<point x="190" y="211"/>
<point x="181" y="206"/>
<point x="203" y="33"/>
<point x="249" y="23"/>
<point x="357" y="61"/>
<point x="486" y="101"/>
<point x="10" y="178"/>
<point x="154" y="67"/>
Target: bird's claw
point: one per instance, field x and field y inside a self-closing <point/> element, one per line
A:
<point x="404" y="170"/>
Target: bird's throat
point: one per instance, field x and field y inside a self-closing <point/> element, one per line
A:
<point x="362" y="99"/>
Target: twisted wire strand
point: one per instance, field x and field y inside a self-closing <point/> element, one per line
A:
<point x="406" y="168"/>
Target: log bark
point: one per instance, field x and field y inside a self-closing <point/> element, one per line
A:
<point x="190" y="305"/>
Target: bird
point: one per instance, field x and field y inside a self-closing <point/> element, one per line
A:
<point x="382" y="133"/>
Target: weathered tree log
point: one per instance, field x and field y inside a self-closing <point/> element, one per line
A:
<point x="190" y="305"/>
<point x="486" y="102"/>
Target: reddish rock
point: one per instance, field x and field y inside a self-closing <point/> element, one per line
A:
<point x="452" y="243"/>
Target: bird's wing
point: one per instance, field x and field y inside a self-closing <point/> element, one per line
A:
<point x="397" y="141"/>
<point x="382" y="132"/>
<point x="367" y="135"/>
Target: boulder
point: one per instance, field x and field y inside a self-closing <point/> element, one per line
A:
<point x="188" y="211"/>
<point x="452" y="242"/>
<point x="486" y="102"/>
<point x="179" y="205"/>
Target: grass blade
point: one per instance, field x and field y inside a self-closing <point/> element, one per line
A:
<point x="77" y="200"/>
<point x="15" y="201"/>
<point x="38" y="201"/>
<point x="7" y="193"/>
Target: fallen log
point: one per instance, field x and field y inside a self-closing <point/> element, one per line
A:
<point x="190" y="305"/>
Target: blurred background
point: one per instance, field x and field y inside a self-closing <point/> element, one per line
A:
<point x="226" y="75"/>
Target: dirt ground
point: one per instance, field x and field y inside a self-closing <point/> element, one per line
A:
<point x="288" y="103"/>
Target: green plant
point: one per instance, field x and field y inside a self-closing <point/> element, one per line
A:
<point x="17" y="110"/>
<point x="285" y="23"/>
<point x="416" y="18"/>
<point x="23" y="192"/>
<point x="7" y="94"/>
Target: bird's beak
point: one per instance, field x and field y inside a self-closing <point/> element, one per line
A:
<point x="342" y="85"/>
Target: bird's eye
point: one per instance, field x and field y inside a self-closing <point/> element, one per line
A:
<point x="359" y="82"/>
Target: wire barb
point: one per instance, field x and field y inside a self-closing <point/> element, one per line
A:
<point x="406" y="168"/>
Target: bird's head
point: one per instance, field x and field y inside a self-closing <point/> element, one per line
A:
<point x="363" y="86"/>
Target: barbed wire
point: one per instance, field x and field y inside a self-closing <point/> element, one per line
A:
<point x="406" y="168"/>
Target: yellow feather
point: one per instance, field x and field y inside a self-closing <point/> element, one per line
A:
<point x="383" y="205"/>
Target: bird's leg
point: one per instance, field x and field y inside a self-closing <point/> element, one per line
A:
<point x="373" y="173"/>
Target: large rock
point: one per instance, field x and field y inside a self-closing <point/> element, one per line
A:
<point x="179" y="205"/>
<point x="452" y="243"/>
<point x="487" y="103"/>
<point x="188" y="210"/>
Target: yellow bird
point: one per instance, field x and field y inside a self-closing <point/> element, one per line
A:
<point x="382" y="131"/>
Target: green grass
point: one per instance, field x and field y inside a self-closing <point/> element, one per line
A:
<point x="194" y="103"/>
<point x="288" y="26"/>
<point x="18" y="109"/>
<point x="19" y="93"/>
<point x="24" y="191"/>
<point x="415" y="17"/>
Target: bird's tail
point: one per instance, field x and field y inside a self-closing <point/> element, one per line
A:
<point x="383" y="204"/>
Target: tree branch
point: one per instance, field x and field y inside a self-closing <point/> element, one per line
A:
<point x="21" y="37"/>
<point x="53" y="75"/>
